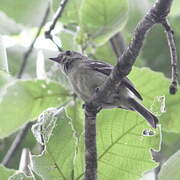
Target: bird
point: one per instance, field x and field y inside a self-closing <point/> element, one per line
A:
<point x="87" y="75"/>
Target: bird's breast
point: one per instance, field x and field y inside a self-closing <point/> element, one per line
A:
<point x="85" y="81"/>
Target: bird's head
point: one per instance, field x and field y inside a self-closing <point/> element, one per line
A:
<point x="67" y="58"/>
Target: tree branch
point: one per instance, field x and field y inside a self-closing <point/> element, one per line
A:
<point x="30" y="49"/>
<point x="118" y="44"/>
<point x="172" y="47"/>
<point x="90" y="143"/>
<point x="16" y="143"/>
<point x="57" y="15"/>
<point x="157" y="14"/>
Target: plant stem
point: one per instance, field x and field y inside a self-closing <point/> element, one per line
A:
<point x="16" y="143"/>
<point x="57" y="15"/>
<point x="30" y="49"/>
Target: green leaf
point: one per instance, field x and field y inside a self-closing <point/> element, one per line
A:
<point x="24" y="12"/>
<point x="152" y="85"/>
<point x="74" y="111"/>
<point x="158" y="58"/>
<point x="137" y="10"/>
<point x="68" y="40"/>
<point x="170" y="145"/>
<point x="102" y="19"/>
<point x="24" y="100"/>
<point x="123" y="151"/>
<point x="21" y="176"/>
<point x="170" y="169"/>
<point x="56" y="161"/>
<point x="4" y="78"/>
<point x="175" y="10"/>
<point x="175" y="23"/>
<point x="8" y="26"/>
<point x="106" y="53"/>
<point x="71" y="11"/>
<point x="5" y="172"/>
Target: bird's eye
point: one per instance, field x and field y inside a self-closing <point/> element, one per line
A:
<point x="68" y="53"/>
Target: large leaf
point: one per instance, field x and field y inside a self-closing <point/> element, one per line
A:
<point x="24" y="100"/>
<point x="137" y="9"/>
<point x="175" y="10"/>
<point x="68" y="40"/>
<point x="4" y="78"/>
<point x="106" y="53"/>
<point x="55" y="130"/>
<point x="24" y="12"/>
<point x="102" y="19"/>
<point x="5" y="172"/>
<point x="170" y="145"/>
<point x="71" y="11"/>
<point x="74" y="111"/>
<point x="170" y="169"/>
<point x="19" y="176"/>
<point x="158" y="57"/>
<point x="123" y="151"/>
<point x="153" y="84"/>
<point x="8" y="26"/>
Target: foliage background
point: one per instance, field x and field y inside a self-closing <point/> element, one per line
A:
<point x="124" y="152"/>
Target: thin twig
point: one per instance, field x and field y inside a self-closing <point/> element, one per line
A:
<point x="118" y="44"/>
<point x="30" y="49"/>
<point x="172" y="47"/>
<point x="16" y="143"/>
<point x="57" y="15"/>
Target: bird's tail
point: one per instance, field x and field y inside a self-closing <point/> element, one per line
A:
<point x="151" y="118"/>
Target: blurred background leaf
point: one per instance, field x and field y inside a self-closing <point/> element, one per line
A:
<point x="24" y="100"/>
<point x="5" y="172"/>
<point x="24" y="12"/>
<point x="101" y="19"/>
<point x="170" y="170"/>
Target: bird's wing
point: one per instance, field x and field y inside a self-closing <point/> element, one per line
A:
<point x="106" y="69"/>
<point x="100" y="67"/>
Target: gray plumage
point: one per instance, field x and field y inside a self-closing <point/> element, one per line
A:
<point x="86" y="75"/>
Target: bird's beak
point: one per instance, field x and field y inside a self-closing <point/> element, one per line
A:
<point x="56" y="59"/>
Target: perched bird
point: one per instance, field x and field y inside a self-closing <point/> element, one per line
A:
<point x="86" y="75"/>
